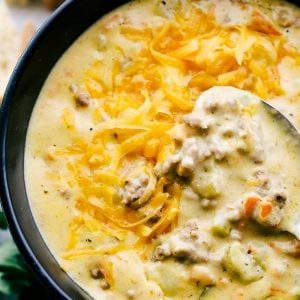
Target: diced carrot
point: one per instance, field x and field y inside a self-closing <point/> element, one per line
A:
<point x="265" y="210"/>
<point x="249" y="205"/>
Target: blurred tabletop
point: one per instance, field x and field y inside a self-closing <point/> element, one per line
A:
<point x="35" y="14"/>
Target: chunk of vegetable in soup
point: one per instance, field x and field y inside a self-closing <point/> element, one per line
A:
<point x="152" y="168"/>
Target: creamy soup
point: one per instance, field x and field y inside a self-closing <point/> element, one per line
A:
<point x="153" y="169"/>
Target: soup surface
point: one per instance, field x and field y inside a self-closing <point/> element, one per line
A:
<point x="152" y="168"/>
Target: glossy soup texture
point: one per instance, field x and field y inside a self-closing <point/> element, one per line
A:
<point x="152" y="168"/>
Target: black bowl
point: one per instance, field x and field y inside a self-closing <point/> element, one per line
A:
<point x="66" y="24"/>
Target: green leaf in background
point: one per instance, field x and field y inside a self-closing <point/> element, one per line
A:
<point x="11" y="286"/>
<point x="14" y="275"/>
<point x="3" y="223"/>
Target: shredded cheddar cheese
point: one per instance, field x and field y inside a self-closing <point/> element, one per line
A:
<point x="139" y="100"/>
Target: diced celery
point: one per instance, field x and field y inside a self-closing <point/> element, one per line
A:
<point x="221" y="226"/>
<point x="262" y="254"/>
<point x="205" y="188"/>
<point x="207" y="181"/>
<point x="240" y="264"/>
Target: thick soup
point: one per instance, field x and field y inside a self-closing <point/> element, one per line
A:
<point x="153" y="169"/>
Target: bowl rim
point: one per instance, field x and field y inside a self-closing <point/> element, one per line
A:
<point x="6" y="200"/>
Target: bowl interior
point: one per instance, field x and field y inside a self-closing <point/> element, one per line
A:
<point x="67" y="23"/>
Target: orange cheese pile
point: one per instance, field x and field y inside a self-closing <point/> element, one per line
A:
<point x="140" y="97"/>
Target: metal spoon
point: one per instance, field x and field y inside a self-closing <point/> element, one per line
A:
<point x="291" y="210"/>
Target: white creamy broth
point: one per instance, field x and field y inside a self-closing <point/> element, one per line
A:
<point x="149" y="174"/>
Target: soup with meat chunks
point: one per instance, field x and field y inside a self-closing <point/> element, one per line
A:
<point x="153" y="169"/>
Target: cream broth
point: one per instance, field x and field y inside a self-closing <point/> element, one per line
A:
<point x="152" y="174"/>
